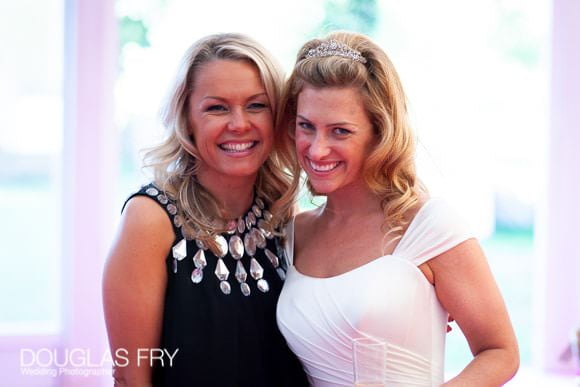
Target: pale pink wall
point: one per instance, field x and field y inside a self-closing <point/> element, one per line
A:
<point x="90" y="165"/>
<point x="89" y="175"/>
<point x="557" y="295"/>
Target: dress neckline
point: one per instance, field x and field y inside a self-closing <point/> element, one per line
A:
<point x="336" y="276"/>
<point x="343" y="274"/>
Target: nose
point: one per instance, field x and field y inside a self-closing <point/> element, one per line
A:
<point x="319" y="147"/>
<point x="239" y="121"/>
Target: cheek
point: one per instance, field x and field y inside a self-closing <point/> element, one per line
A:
<point x="268" y="132"/>
<point x="204" y="129"/>
<point x="202" y="139"/>
<point x="267" y="138"/>
<point x="266" y="125"/>
<point x="356" y="158"/>
<point x="302" y="142"/>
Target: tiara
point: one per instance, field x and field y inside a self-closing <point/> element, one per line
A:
<point x="334" y="48"/>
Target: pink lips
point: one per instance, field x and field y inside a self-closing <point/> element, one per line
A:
<point x="322" y="168"/>
<point x="238" y="148"/>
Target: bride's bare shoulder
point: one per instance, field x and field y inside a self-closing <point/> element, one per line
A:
<point x="304" y="223"/>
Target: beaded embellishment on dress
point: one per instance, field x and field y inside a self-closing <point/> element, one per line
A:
<point x="244" y="237"/>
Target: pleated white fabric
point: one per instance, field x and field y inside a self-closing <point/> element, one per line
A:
<point x="387" y="298"/>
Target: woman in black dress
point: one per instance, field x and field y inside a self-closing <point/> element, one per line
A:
<point x="192" y="280"/>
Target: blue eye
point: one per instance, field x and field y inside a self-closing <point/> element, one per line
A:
<point x="305" y="125"/>
<point x="342" y="131"/>
<point x="216" y="108"/>
<point x="257" y="106"/>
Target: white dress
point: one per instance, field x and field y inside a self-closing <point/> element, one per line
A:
<point x="387" y="298"/>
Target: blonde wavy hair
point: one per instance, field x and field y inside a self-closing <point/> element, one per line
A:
<point x="389" y="170"/>
<point x="175" y="161"/>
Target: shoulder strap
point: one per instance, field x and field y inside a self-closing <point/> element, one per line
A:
<point x="436" y="228"/>
<point x="164" y="201"/>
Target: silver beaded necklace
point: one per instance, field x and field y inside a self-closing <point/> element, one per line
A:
<point x="244" y="236"/>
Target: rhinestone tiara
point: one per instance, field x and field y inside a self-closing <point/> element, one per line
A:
<point x="335" y="48"/>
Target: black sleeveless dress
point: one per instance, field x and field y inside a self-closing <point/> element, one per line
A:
<point x="223" y="335"/>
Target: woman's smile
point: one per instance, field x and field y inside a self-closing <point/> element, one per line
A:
<point x="237" y="148"/>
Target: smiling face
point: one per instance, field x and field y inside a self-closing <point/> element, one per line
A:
<point x="231" y="120"/>
<point x="333" y="137"/>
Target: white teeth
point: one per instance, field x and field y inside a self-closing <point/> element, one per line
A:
<point x="237" y="147"/>
<point x="323" y="167"/>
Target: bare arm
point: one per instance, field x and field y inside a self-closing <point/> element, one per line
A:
<point x="134" y="287"/>
<point x="465" y="287"/>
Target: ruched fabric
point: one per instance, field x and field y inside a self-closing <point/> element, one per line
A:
<point x="387" y="298"/>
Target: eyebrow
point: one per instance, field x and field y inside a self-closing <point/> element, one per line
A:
<point x="331" y="124"/>
<point x="224" y="99"/>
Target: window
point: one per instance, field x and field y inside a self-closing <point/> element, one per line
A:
<point x="30" y="144"/>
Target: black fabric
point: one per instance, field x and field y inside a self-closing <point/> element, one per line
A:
<point x="223" y="340"/>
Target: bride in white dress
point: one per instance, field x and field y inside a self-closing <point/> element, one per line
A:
<point x="380" y="259"/>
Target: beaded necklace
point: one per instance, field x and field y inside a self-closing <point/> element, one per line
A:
<point x="244" y="236"/>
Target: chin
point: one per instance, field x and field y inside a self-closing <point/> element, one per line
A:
<point x="243" y="173"/>
<point x="242" y="170"/>
<point x="322" y="188"/>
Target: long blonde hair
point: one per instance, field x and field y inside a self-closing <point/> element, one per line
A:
<point x="176" y="160"/>
<point x="389" y="170"/>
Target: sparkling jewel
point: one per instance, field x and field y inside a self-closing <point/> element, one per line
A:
<point x="260" y="203"/>
<point x="199" y="259"/>
<point x="221" y="271"/>
<point x="196" y="275"/>
<point x="225" y="287"/>
<point x="177" y="221"/>
<point x="268" y="215"/>
<point x="180" y="250"/>
<point x="236" y="247"/>
<point x="263" y="285"/>
<point x="266" y="228"/>
<point x="252" y="218"/>
<point x="272" y="257"/>
<point x="200" y="244"/>
<point x="162" y="199"/>
<point x="250" y="244"/>
<point x="248" y="223"/>
<point x="335" y="48"/>
<point x="241" y="225"/>
<point x="172" y="209"/>
<point x="222" y="246"/>
<point x="152" y="191"/>
<point x="256" y="210"/>
<point x="258" y="237"/>
<point x="245" y="288"/>
<point x="241" y="274"/>
<point x="256" y="270"/>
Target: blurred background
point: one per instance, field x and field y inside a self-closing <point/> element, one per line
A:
<point x="477" y="75"/>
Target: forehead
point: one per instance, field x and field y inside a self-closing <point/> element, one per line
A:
<point x="227" y="78"/>
<point x="338" y="101"/>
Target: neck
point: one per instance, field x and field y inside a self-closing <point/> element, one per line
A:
<point x="354" y="201"/>
<point x="233" y="194"/>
